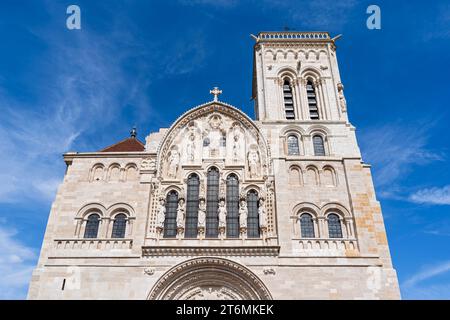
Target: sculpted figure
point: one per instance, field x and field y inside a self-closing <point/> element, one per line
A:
<point x="181" y="213"/>
<point x="236" y="147"/>
<point x="253" y="163"/>
<point x="342" y="100"/>
<point x="161" y="217"/>
<point x="190" y="148"/>
<point x="262" y="214"/>
<point x="202" y="214"/>
<point x="243" y="214"/>
<point x="222" y="212"/>
<point x="174" y="160"/>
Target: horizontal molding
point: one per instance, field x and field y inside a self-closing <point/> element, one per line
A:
<point x="151" y="251"/>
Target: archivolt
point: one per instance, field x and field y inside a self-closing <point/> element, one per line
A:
<point x="194" y="278"/>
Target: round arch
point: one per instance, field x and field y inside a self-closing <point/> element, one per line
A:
<point x="209" y="278"/>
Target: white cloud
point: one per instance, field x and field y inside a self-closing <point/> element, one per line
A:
<point x="413" y="287"/>
<point x="16" y="264"/>
<point x="80" y="86"/>
<point x="394" y="150"/>
<point x="439" y="196"/>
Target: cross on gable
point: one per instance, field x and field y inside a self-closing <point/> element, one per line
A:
<point x="215" y="92"/>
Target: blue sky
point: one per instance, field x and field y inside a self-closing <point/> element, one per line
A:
<point x="145" y="62"/>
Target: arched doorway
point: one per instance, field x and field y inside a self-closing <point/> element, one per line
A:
<point x="208" y="279"/>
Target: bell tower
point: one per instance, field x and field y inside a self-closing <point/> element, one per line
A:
<point x="296" y="77"/>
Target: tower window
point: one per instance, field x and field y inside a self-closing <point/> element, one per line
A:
<point x="232" y="206"/>
<point x="334" y="226"/>
<point x="119" y="226"/>
<point x="288" y="100"/>
<point x="193" y="185"/>
<point x="253" y="218"/>
<point x="92" y="224"/>
<point x="293" y="148"/>
<point x="319" y="148"/>
<point x="312" y="101"/>
<point x="307" y="226"/>
<point x="212" y="204"/>
<point x="170" y="223"/>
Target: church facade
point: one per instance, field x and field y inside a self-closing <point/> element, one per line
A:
<point x="220" y="206"/>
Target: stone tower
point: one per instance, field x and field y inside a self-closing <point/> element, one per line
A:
<point x="220" y="206"/>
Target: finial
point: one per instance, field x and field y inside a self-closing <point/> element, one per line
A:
<point x="133" y="132"/>
<point x="215" y="92"/>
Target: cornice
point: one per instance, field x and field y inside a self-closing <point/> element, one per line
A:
<point x="155" y="251"/>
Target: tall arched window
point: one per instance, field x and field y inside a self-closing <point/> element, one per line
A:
<point x="288" y="100"/>
<point x="232" y="206"/>
<point x="312" y="101"/>
<point x="170" y="223"/>
<point x="307" y="225"/>
<point x="334" y="226"/>
<point x="319" y="148"/>
<point x="193" y="185"/>
<point x="253" y="218"/>
<point x="212" y="203"/>
<point x="92" y="224"/>
<point x="293" y="148"/>
<point x="119" y="226"/>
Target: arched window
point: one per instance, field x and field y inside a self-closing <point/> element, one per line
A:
<point x="193" y="185"/>
<point x="170" y="223"/>
<point x="232" y="206"/>
<point x="334" y="226"/>
<point x="212" y="203"/>
<point x="319" y="148"/>
<point x="91" y="230"/>
<point x="119" y="226"/>
<point x="253" y="218"/>
<point x="307" y="225"/>
<point x="312" y="101"/>
<point x="293" y="148"/>
<point x="288" y="100"/>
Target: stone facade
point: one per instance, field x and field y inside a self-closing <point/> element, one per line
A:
<point x="302" y="221"/>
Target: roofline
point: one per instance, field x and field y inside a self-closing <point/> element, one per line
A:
<point x="115" y="144"/>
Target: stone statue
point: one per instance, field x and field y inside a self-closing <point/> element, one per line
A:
<point x="174" y="161"/>
<point x="190" y="147"/>
<point x="214" y="136"/>
<point x="202" y="213"/>
<point x="161" y="217"/>
<point x="236" y="146"/>
<point x="222" y="212"/>
<point x="181" y="213"/>
<point x="243" y="214"/>
<point x="253" y="163"/>
<point x="262" y="214"/>
<point x="342" y="100"/>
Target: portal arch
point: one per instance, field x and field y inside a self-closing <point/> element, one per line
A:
<point x="208" y="278"/>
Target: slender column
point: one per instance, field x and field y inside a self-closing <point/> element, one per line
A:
<point x="322" y="90"/>
<point x="319" y="100"/>
<point x="321" y="224"/>
<point x="304" y="107"/>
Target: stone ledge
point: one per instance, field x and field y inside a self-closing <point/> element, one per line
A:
<point x="210" y="251"/>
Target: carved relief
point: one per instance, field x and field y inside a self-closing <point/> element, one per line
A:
<point x="174" y="163"/>
<point x="254" y="163"/>
<point x="148" y="164"/>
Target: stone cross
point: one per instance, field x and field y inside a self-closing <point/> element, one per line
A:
<point x="215" y="92"/>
